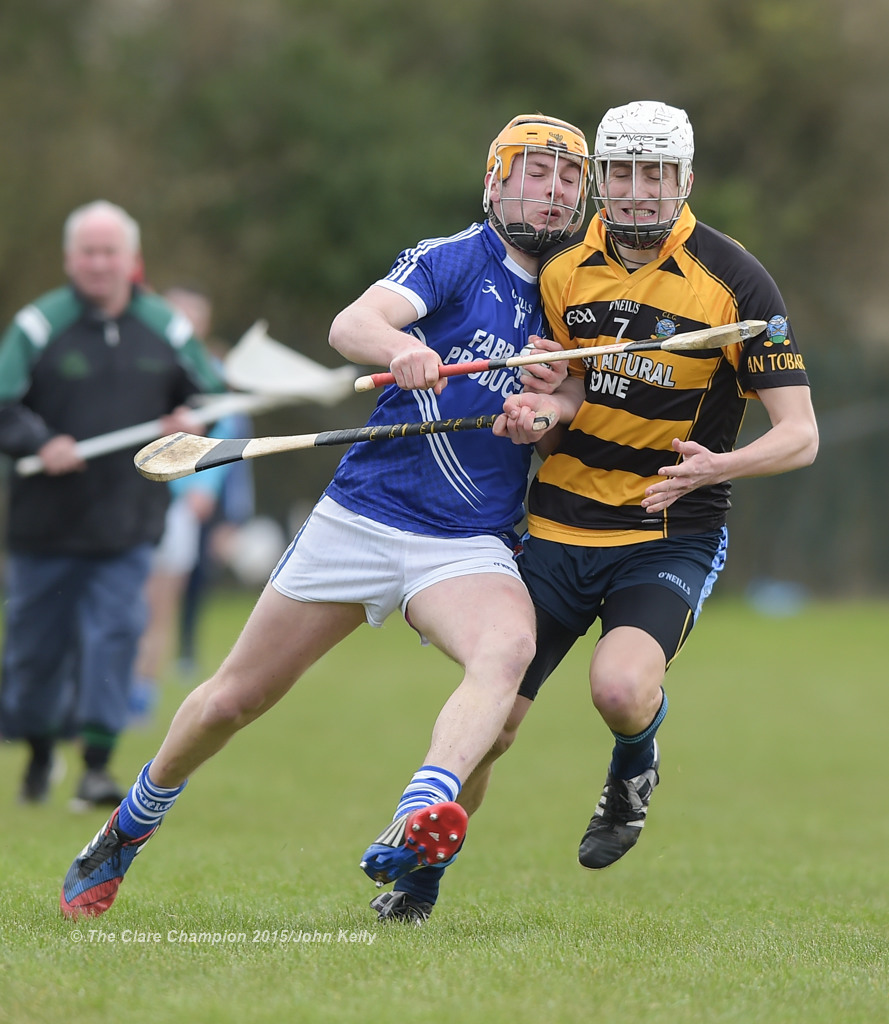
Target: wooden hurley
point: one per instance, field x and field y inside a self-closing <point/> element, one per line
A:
<point x="178" y="455"/>
<point x="710" y="337"/>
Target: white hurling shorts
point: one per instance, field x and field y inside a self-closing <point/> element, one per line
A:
<point x="180" y="546"/>
<point x="343" y="557"/>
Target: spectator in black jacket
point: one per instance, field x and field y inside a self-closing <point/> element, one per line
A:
<point x="91" y="357"/>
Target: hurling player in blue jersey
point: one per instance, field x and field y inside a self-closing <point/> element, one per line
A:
<point x="424" y="524"/>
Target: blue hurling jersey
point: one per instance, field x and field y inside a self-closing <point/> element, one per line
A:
<point x="473" y="302"/>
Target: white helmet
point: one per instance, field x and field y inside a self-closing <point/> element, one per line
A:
<point x="645" y="132"/>
<point x="526" y="134"/>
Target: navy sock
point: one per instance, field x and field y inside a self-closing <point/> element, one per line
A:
<point x="422" y="884"/>
<point x="632" y="755"/>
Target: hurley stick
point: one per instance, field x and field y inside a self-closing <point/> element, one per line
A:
<point x="275" y="374"/>
<point x="178" y="455"/>
<point x="710" y="337"/>
<point x="127" y="437"/>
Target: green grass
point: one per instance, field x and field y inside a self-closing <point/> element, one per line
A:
<point x="759" y="892"/>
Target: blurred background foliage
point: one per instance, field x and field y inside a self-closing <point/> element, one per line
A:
<point x="280" y="153"/>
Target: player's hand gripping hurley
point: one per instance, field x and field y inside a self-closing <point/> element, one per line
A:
<point x="710" y="337"/>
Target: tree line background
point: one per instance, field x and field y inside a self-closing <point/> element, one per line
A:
<point x="279" y="154"/>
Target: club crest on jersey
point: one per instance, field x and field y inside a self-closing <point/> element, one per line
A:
<point x="776" y="332"/>
<point x="665" y="328"/>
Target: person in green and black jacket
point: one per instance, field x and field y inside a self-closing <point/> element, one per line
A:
<point x="99" y="354"/>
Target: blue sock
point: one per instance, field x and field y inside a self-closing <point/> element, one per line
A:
<point x="632" y="755"/>
<point x="422" y="884"/>
<point x="430" y="785"/>
<point x="145" y="805"/>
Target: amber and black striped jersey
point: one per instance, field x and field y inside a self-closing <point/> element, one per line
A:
<point x="589" y="490"/>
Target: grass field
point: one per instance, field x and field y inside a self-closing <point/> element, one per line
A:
<point x="758" y="893"/>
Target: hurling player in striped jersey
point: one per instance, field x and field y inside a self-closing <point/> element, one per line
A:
<point x="422" y="524"/>
<point x="627" y="514"/>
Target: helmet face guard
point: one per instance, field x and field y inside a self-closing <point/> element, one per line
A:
<point x="508" y="153"/>
<point x="642" y="135"/>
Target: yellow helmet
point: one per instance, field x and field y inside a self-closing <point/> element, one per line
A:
<point x="537" y="133"/>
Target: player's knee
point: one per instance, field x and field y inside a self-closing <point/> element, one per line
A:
<point x="623" y="696"/>
<point x="515" y="654"/>
<point x="226" y="708"/>
<point x="499" y="662"/>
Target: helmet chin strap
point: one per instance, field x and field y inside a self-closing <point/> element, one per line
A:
<point x="634" y="237"/>
<point x="522" y="236"/>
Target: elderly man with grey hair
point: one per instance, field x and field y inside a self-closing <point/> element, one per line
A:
<point x="96" y="355"/>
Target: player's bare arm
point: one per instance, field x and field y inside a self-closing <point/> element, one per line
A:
<point x="791" y="443"/>
<point x="370" y="331"/>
